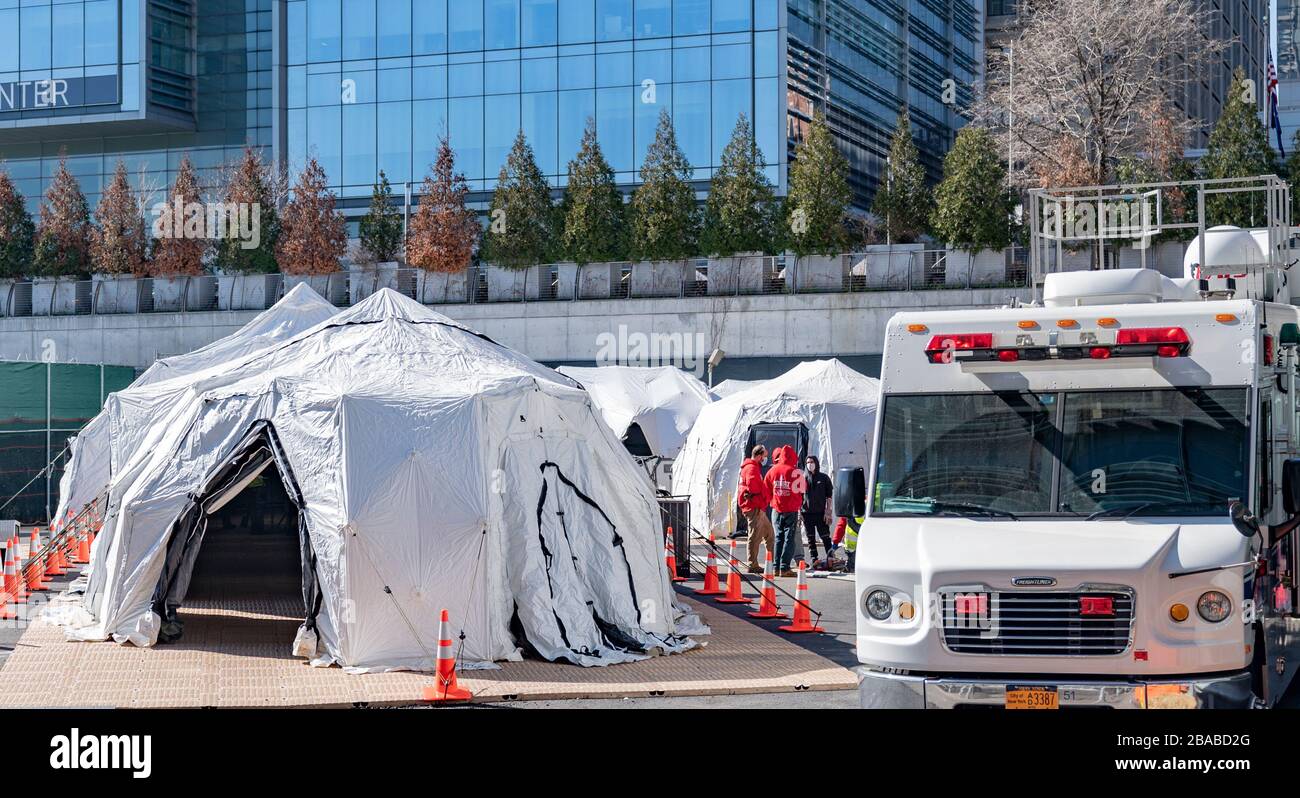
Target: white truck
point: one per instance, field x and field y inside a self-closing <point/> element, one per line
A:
<point x="1090" y="500"/>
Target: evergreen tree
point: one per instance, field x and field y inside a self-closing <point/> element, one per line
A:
<point x="903" y="202"/>
<point x="184" y="242"/>
<point x="665" y="216"/>
<point x="381" y="227"/>
<point x="819" y="194"/>
<point x="119" y="243"/>
<point x="443" y="232"/>
<point x="973" y="206"/>
<point x="741" y="212"/>
<point x="63" y="234"/>
<point x="521" y="218"/>
<point x="593" y="214"/>
<point x="251" y="184"/>
<point x="1238" y="147"/>
<point x="313" y="235"/>
<point x="17" y="231"/>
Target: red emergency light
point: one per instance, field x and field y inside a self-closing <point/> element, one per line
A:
<point x="1096" y="605"/>
<point x="941" y="344"/>
<point x="1165" y="341"/>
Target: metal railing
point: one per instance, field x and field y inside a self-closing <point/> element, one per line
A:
<point x="879" y="269"/>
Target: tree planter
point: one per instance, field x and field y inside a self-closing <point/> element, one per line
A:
<point x="115" y="294"/>
<point x="966" y="269"/>
<point x="366" y="280"/>
<point x="54" y="297"/>
<point x="513" y="285"/>
<point x="247" y="291"/>
<point x="660" y="278"/>
<point x="566" y="280"/>
<point x="334" y="287"/>
<point x="176" y="293"/>
<point x="596" y="280"/>
<point x="896" y="266"/>
<point x="438" y="288"/>
<point x="819" y="273"/>
<point x="740" y="274"/>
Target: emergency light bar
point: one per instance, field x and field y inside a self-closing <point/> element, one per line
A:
<point x="1129" y="342"/>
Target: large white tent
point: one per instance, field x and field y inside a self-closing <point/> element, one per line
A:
<point x="727" y="387"/>
<point x="97" y="447"/>
<point x="660" y="401"/>
<point x="835" y="404"/>
<point x="432" y="468"/>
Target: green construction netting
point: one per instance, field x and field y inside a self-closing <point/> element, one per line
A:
<point x="41" y="406"/>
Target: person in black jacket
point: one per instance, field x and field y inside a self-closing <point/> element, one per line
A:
<point x="816" y="507"/>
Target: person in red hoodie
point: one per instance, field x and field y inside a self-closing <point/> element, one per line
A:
<point x="786" y="483"/>
<point x="753" y="497"/>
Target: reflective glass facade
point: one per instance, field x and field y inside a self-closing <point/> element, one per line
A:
<point x="366" y="85"/>
<point x="371" y="84"/>
<point x="187" y="83"/>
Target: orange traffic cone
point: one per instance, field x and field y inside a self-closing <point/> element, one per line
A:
<point x="734" y="585"/>
<point x="768" y="608"/>
<point x="446" y="688"/>
<point x="8" y="608"/>
<point x="35" y="569"/>
<point x="53" y="560"/>
<point x="670" y="557"/>
<point x="83" y="547"/>
<point x="711" y="586"/>
<point x="18" y="591"/>
<point x="802" y="609"/>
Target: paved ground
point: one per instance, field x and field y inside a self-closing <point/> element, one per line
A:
<point x="235" y="653"/>
<point x="834" y="598"/>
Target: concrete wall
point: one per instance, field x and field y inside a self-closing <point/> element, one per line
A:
<point x="747" y="328"/>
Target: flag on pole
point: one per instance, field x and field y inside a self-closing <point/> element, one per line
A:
<point x="1274" y="120"/>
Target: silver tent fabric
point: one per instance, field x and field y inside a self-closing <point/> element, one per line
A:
<point x="90" y="462"/>
<point x="434" y="466"/>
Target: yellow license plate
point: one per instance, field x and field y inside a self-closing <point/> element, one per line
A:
<point x="1032" y="698"/>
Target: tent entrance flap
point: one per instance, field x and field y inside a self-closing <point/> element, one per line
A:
<point x="243" y="537"/>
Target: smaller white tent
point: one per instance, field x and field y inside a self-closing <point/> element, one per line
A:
<point x="835" y="404"/>
<point x="99" y="445"/>
<point x="661" y="401"/>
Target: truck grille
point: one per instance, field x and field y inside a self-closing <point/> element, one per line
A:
<point x="1036" y="623"/>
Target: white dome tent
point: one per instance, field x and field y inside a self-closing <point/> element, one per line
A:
<point x="654" y="405"/>
<point x="98" y="446"/>
<point x="432" y="468"/>
<point x="727" y="387"/>
<point x="834" y="406"/>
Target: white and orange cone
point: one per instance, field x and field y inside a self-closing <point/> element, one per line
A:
<point x="670" y="558"/>
<point x="734" y="582"/>
<point x="446" y="688"/>
<point x="711" y="586"/>
<point x="768" y="607"/>
<point x="802" y="609"/>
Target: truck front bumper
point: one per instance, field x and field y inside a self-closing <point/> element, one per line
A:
<point x="879" y="690"/>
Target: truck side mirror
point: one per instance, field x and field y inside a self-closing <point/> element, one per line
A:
<point x="1243" y="519"/>
<point x="1291" y="486"/>
<point x="850" y="492"/>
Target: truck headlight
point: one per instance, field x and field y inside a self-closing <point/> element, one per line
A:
<point x="1214" y="606"/>
<point x="879" y="605"/>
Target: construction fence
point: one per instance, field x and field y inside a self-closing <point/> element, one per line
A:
<point x="42" y="405"/>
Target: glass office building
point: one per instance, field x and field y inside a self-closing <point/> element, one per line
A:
<point x="370" y="85"/>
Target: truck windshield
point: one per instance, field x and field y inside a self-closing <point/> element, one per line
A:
<point x="1105" y="453"/>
